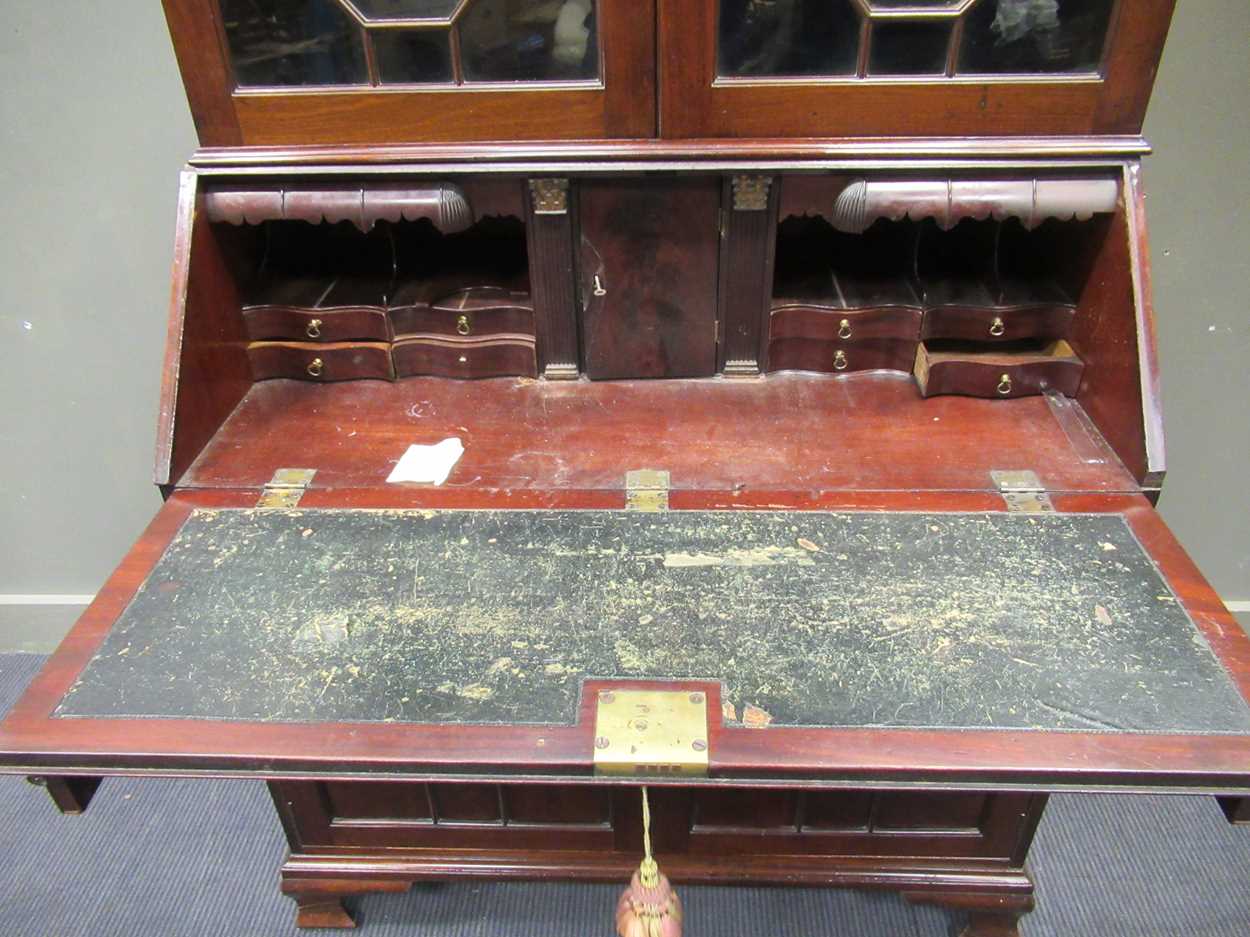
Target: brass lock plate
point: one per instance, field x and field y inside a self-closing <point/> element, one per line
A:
<point x="651" y="732"/>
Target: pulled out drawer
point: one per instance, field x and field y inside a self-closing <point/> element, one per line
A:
<point x="336" y="361"/>
<point x="1018" y="370"/>
<point x="509" y="355"/>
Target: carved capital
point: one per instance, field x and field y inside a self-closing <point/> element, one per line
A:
<point x="751" y="192"/>
<point x="550" y="196"/>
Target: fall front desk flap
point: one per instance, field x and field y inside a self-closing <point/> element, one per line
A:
<point x="946" y="620"/>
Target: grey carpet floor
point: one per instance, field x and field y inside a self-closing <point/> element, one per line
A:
<point x="185" y="858"/>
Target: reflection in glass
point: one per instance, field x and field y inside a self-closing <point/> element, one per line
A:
<point x="788" y="37"/>
<point x="412" y="56"/>
<point x="529" y="40"/>
<point x="293" y="42"/>
<point x="909" y="48"/>
<point x="383" y="10"/>
<point x="1022" y="36"/>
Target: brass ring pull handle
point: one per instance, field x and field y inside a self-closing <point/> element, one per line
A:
<point x="462" y="326"/>
<point x="313" y="330"/>
<point x="844" y="328"/>
<point x="839" y="360"/>
<point x="997" y="327"/>
<point x="315" y="367"/>
<point x="1004" y="385"/>
<point x="599" y="289"/>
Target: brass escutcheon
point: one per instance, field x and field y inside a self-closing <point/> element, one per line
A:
<point x="313" y="330"/>
<point x="997" y="327"/>
<point x="462" y="326"/>
<point x="315" y="367"/>
<point x="839" y="360"/>
<point x="844" y="328"/>
<point x="1004" y="385"/>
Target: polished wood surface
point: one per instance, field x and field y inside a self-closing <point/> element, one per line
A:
<point x="648" y="272"/>
<point x="787" y="432"/>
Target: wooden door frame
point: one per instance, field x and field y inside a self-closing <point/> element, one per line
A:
<point x="621" y="105"/>
<point x="695" y="103"/>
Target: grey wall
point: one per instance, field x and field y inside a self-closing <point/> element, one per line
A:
<point x="95" y="127"/>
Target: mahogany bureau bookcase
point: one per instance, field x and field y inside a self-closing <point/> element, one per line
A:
<point x="803" y="359"/>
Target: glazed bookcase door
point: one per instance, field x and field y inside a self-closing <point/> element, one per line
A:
<point x="858" y="68"/>
<point x="290" y="72"/>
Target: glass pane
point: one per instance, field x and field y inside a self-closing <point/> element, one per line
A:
<point x="529" y="40"/>
<point x="293" y="42"/>
<point x="1023" y="36"/>
<point x="909" y="48"/>
<point x="383" y="10"/>
<point x="788" y="37"/>
<point x="412" y="56"/>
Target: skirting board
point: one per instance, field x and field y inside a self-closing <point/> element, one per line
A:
<point x="36" y="623"/>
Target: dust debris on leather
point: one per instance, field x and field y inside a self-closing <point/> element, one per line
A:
<point x="806" y="618"/>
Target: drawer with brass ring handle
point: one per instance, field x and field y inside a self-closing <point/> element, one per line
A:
<point x="997" y="371"/>
<point x="463" y="326"/>
<point x="292" y="324"/>
<point x="844" y="329"/>
<point x="321" y="361"/>
<point x="839" y="360"/>
<point x="998" y="327"/>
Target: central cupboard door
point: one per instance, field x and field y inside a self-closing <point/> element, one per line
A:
<point x="648" y="265"/>
<point x="290" y="72"/>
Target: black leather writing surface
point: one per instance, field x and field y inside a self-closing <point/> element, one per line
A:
<point x="824" y="619"/>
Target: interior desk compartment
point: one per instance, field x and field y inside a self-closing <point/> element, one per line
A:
<point x="1020" y="370"/>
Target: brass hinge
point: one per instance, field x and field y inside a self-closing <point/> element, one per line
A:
<point x="651" y="732"/>
<point x="286" y="488"/>
<point x="1023" y="491"/>
<point x="646" y="490"/>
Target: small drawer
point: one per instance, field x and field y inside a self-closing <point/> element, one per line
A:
<point x="998" y="372"/>
<point x="870" y="354"/>
<point x="471" y="313"/>
<point x="362" y="323"/>
<point x="498" y="356"/>
<point x="825" y="324"/>
<point x="339" y="361"/>
<point x="998" y="325"/>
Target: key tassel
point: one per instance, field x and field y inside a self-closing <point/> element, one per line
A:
<point x="649" y="907"/>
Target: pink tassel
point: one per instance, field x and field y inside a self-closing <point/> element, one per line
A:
<point x="649" y="907"/>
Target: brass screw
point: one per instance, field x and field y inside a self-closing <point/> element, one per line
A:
<point x="699" y="745"/>
<point x="606" y="696"/>
<point x="602" y="742"/>
<point x="696" y="697"/>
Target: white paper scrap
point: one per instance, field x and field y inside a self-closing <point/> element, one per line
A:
<point x="427" y="464"/>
